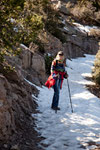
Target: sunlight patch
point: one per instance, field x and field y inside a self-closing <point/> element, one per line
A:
<point x="86" y="95"/>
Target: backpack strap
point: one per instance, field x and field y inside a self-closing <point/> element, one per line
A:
<point x="56" y="63"/>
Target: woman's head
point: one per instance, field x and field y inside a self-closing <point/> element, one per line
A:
<point x="60" y="56"/>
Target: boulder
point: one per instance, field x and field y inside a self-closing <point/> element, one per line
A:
<point x="38" y="64"/>
<point x="26" y="59"/>
<point x="27" y="66"/>
<point x="64" y="10"/>
<point x="77" y="46"/>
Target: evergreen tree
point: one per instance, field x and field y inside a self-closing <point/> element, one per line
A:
<point x="19" y="23"/>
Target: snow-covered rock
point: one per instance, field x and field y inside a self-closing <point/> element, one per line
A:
<point x="84" y="28"/>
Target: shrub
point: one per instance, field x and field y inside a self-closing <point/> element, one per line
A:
<point x="54" y="29"/>
<point x="53" y="24"/>
<point x="40" y="45"/>
<point x="96" y="71"/>
<point x="95" y="33"/>
<point x="48" y="62"/>
<point x="86" y="11"/>
<point x="19" y="23"/>
<point x="97" y="16"/>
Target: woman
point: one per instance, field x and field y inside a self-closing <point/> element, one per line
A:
<point x="56" y="78"/>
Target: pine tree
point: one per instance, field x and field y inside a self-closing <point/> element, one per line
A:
<point x="8" y="9"/>
<point x="20" y="22"/>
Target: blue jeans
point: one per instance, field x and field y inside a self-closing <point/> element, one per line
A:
<point x="56" y="88"/>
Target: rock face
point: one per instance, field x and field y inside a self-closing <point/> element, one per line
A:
<point x="52" y="44"/>
<point x="26" y="59"/>
<point x="77" y="42"/>
<point x="64" y="10"/>
<point x="75" y="46"/>
<point x="5" y="112"/>
<point x="78" y="46"/>
<point x="16" y="106"/>
<point x="31" y="64"/>
<point x="38" y="64"/>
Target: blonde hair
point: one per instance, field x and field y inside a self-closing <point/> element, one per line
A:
<point x="60" y="53"/>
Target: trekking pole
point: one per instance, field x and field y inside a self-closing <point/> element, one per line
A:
<point x="69" y="95"/>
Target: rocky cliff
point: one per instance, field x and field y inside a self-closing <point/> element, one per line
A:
<point x="78" y="39"/>
<point x="16" y="107"/>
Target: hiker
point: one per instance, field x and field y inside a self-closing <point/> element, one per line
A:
<point x="55" y="80"/>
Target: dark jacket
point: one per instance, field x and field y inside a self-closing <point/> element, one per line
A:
<point x="56" y="68"/>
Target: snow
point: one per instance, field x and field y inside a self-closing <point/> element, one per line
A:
<point x="74" y="35"/>
<point x="1" y="103"/>
<point x="64" y="22"/>
<point x="23" y="46"/>
<point x="84" y="28"/>
<point x="34" y="97"/>
<point x="32" y="84"/>
<point x="49" y="54"/>
<point x="65" y="28"/>
<point x="65" y="130"/>
<point x="12" y="20"/>
<point x="15" y="29"/>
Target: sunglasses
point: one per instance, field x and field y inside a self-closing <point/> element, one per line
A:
<point x="61" y="55"/>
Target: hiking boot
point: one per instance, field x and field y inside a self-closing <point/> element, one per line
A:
<point x="55" y="108"/>
<point x="58" y="108"/>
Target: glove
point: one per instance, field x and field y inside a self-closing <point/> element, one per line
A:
<point x="66" y="75"/>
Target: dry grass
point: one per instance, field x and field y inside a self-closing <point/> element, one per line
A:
<point x="95" y="33"/>
<point x="96" y="71"/>
<point x="97" y="16"/>
<point x="85" y="12"/>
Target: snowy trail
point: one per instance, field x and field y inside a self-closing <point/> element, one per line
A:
<point x="66" y="130"/>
